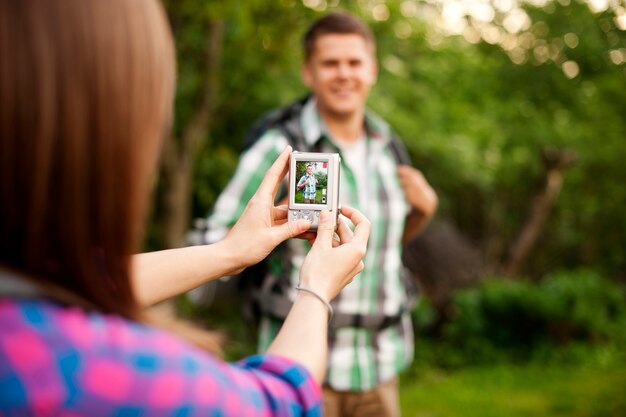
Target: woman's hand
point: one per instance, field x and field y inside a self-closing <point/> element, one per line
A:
<point x="330" y="264"/>
<point x="262" y="226"/>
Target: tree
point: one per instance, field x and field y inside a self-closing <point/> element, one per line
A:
<point x="477" y="103"/>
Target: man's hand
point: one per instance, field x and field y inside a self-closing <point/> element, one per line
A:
<point x="420" y="196"/>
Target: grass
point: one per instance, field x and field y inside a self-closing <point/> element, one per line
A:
<point x="591" y="390"/>
<point x="587" y="383"/>
<point x="318" y="196"/>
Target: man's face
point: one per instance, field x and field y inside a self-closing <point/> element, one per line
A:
<point x="340" y="72"/>
<point x="309" y="170"/>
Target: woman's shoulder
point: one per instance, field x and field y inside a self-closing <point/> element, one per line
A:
<point x="51" y="351"/>
<point x="57" y="324"/>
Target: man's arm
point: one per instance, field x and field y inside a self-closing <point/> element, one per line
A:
<point x="422" y="199"/>
<point x="302" y="182"/>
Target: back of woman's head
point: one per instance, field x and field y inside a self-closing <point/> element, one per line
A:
<point x="85" y="94"/>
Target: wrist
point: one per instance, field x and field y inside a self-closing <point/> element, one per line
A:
<point x="304" y="291"/>
<point x="230" y="258"/>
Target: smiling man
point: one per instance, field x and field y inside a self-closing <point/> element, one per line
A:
<point x="370" y="337"/>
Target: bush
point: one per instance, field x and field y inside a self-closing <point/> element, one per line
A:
<point x="505" y="320"/>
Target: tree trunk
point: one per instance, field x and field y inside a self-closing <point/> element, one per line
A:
<point x="556" y="162"/>
<point x="179" y="153"/>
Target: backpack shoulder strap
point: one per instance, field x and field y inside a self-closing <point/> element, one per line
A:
<point x="287" y="119"/>
<point x="399" y="151"/>
<point x="396" y="145"/>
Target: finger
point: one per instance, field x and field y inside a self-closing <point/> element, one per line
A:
<point x="351" y="213"/>
<point x="362" y="233"/>
<point x="279" y="222"/>
<point x="401" y="170"/>
<point x="310" y="236"/>
<point x="325" y="230"/>
<point x="271" y="181"/>
<point x="346" y="221"/>
<point x="279" y="213"/>
<point x="361" y="223"/>
<point x="406" y="169"/>
<point x="291" y="229"/>
<point x="344" y="232"/>
<point x="408" y="173"/>
<point x="358" y="268"/>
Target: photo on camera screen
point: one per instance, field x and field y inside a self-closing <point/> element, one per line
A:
<point x="311" y="182"/>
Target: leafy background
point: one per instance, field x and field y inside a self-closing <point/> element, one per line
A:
<point x="515" y="112"/>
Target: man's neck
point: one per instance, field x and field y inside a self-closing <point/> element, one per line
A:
<point x="344" y="128"/>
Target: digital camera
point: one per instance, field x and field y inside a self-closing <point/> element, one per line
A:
<point x="313" y="186"/>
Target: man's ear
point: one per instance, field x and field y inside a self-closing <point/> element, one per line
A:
<point x="305" y="73"/>
<point x="374" y="72"/>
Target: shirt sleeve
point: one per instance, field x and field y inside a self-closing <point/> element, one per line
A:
<point x="61" y="361"/>
<point x="308" y="392"/>
<point x="252" y="166"/>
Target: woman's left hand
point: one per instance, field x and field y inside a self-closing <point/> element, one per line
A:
<point x="262" y="226"/>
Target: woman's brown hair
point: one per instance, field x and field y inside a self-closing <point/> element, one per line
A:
<point x="85" y="95"/>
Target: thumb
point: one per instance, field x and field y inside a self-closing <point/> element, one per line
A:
<point x="292" y="229"/>
<point x="325" y="230"/>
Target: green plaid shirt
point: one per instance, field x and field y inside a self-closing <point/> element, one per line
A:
<point x="360" y="357"/>
<point x="310" y="186"/>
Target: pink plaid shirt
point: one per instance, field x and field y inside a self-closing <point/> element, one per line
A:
<point x="63" y="361"/>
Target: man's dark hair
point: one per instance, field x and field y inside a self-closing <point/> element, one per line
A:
<point x="336" y="23"/>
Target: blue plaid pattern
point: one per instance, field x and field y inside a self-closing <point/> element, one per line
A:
<point x="57" y="360"/>
<point x="359" y="358"/>
<point x="310" y="187"/>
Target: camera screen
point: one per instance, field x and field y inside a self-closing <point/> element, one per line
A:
<point x="311" y="182"/>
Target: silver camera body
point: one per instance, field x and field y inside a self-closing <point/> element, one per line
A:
<point x="313" y="186"/>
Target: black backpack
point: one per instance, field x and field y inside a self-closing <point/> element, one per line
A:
<point x="287" y="120"/>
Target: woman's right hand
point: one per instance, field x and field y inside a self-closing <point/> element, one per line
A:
<point x="263" y="226"/>
<point x="330" y="264"/>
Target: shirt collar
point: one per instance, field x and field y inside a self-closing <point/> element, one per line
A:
<point x="314" y="128"/>
<point x="312" y="124"/>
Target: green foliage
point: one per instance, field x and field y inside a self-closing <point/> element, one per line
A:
<point x="300" y="170"/>
<point x="474" y="120"/>
<point x="225" y="317"/>
<point x="322" y="180"/>
<point x="522" y="321"/>
<point x="475" y="123"/>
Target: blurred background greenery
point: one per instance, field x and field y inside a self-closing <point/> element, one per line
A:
<point x="515" y="112"/>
